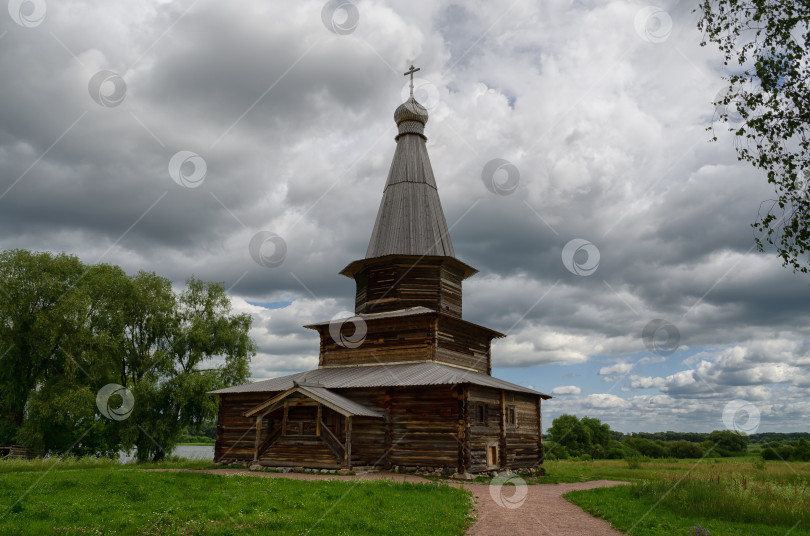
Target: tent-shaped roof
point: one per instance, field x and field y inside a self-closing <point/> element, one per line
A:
<point x="410" y="220"/>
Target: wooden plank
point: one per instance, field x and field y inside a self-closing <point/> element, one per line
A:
<point x="389" y="428"/>
<point x="540" y="432"/>
<point x="503" y="462"/>
<point x="349" y="442"/>
<point x="284" y="422"/>
<point x="258" y="438"/>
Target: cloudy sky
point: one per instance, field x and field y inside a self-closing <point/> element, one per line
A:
<point x="164" y="136"/>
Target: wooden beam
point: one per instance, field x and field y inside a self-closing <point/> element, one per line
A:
<point x="318" y="423"/>
<point x="258" y="439"/>
<point x="284" y="422"/>
<point x="460" y="432"/>
<point x="389" y="428"/>
<point x="539" y="431"/>
<point x="504" y="459"/>
<point x="348" y="442"/>
<point x="270" y="402"/>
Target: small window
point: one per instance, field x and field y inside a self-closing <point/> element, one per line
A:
<point x="511" y="416"/>
<point x="480" y="413"/>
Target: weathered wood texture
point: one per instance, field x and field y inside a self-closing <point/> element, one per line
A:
<point x="300" y="451"/>
<point x="387" y="340"/>
<point x="523" y="436"/>
<point x="425" y="429"/>
<point x="236" y="433"/>
<point x="431" y="426"/>
<point x="485" y="423"/>
<point x="410" y="220"/>
<point x="409" y="339"/>
<point x="15" y="451"/>
<point x="518" y="444"/>
<point x="463" y="344"/>
<point x="409" y="282"/>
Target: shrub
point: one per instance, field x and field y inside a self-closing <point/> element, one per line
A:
<point x="684" y="449"/>
<point x="645" y="447"/>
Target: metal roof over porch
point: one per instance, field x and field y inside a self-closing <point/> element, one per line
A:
<point x="337" y="402"/>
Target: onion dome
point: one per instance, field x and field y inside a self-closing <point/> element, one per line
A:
<point x="411" y="110"/>
<point x="411" y="118"/>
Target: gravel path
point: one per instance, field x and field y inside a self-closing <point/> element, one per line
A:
<point x="542" y="511"/>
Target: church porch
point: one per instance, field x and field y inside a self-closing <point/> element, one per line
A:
<point x="307" y="426"/>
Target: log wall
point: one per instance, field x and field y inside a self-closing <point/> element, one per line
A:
<point x="387" y="340"/>
<point x="523" y="438"/>
<point x="424" y="424"/>
<point x="426" y="337"/>
<point x="463" y="344"/>
<point x="431" y="426"/>
<point x="483" y="433"/>
<point x="430" y="283"/>
<point x="236" y="434"/>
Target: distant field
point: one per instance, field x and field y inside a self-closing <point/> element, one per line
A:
<point x="732" y="496"/>
<point x="111" y="500"/>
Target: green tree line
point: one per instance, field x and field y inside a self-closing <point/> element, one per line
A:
<point x="68" y="329"/>
<point x="589" y="438"/>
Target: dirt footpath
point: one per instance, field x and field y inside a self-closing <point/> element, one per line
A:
<point x="542" y="511"/>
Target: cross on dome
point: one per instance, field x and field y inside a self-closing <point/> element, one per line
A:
<point x="410" y="72"/>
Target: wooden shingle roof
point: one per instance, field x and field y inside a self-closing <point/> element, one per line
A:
<point x="410" y="220"/>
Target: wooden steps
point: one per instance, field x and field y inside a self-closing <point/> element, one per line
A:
<point x="300" y="451"/>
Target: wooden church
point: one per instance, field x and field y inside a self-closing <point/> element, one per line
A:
<point x="407" y="381"/>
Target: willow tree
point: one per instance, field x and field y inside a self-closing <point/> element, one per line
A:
<point x="67" y="330"/>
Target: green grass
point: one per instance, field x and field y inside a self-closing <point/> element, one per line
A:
<point x="568" y="471"/>
<point x="738" y="496"/>
<point x="126" y="500"/>
<point x="89" y="462"/>
<point x="639" y="516"/>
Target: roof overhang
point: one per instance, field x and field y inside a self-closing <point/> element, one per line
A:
<point x="422" y="374"/>
<point x="355" y="267"/>
<point x="413" y="311"/>
<point x="330" y="399"/>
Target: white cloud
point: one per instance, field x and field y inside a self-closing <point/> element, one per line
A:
<point x="618" y="368"/>
<point x="566" y="390"/>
